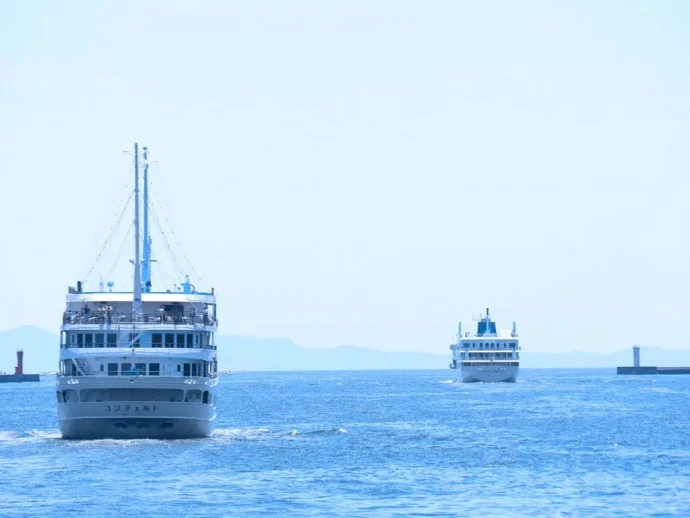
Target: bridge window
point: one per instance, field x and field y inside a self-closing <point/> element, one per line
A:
<point x="140" y="368"/>
<point x="80" y="340"/>
<point x="112" y="369"/>
<point x="180" y="340"/>
<point x="204" y="400"/>
<point x="169" y="340"/>
<point x="156" y="340"/>
<point x="126" y="367"/>
<point x="132" y="394"/>
<point x="100" y="339"/>
<point x="112" y="339"/>
<point x="187" y="371"/>
<point x="190" y="340"/>
<point x="134" y="339"/>
<point x="193" y="396"/>
<point x="70" y="396"/>
<point x="154" y="369"/>
<point x="88" y="340"/>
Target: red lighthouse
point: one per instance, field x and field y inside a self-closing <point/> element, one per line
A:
<point x="19" y="369"/>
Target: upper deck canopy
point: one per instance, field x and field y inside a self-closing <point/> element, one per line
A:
<point x="162" y="297"/>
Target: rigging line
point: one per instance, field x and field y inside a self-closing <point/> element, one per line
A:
<point x="108" y="240"/>
<point x="113" y="229"/>
<point x="120" y="210"/>
<point x="171" y="223"/>
<point x="119" y="253"/>
<point x="127" y="190"/>
<point x="165" y="275"/>
<point x="177" y="242"/>
<point x="166" y="242"/>
<point x="152" y="207"/>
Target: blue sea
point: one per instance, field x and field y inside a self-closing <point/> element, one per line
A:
<point x="372" y="443"/>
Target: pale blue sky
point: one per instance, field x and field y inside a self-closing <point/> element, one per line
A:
<point x="363" y="172"/>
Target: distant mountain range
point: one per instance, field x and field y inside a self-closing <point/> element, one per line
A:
<point x="247" y="353"/>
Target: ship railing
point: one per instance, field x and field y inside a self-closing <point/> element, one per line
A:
<point x="128" y="345"/>
<point x="115" y="318"/>
<point x="135" y="374"/>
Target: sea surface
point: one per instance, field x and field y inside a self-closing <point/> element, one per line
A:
<point x="371" y="443"/>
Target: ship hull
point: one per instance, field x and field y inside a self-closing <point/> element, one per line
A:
<point x="489" y="374"/>
<point x="134" y="419"/>
<point x="136" y="428"/>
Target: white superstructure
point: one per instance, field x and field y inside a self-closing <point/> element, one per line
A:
<point x="138" y="364"/>
<point x="487" y="355"/>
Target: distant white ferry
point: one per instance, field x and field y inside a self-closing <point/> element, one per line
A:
<point x="486" y="356"/>
<point x="138" y="364"/>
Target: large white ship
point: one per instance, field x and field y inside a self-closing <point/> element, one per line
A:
<point x="139" y="363"/>
<point x="486" y="356"/>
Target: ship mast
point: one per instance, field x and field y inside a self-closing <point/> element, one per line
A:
<point x="146" y="266"/>
<point x="136" y="303"/>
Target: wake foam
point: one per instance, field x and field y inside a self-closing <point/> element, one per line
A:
<point x="13" y="437"/>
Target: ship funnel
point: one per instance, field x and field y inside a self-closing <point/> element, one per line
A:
<point x="188" y="287"/>
<point x="19" y="369"/>
<point x="459" y="330"/>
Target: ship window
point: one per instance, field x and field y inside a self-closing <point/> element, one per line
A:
<point x="154" y="369"/>
<point x="88" y="340"/>
<point x="179" y="368"/>
<point x="126" y="367"/>
<point x="132" y="394"/>
<point x="70" y="396"/>
<point x="180" y="340"/>
<point x="100" y="339"/>
<point x="196" y="339"/>
<point x="140" y="368"/>
<point x="134" y="339"/>
<point x="101" y="367"/>
<point x="156" y="340"/>
<point x="112" y="339"/>
<point x="190" y="340"/>
<point x="187" y="370"/>
<point x="193" y="396"/>
<point x="204" y="399"/>
<point x="80" y="340"/>
<point x="112" y="369"/>
<point x="169" y="340"/>
<point x="194" y="369"/>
